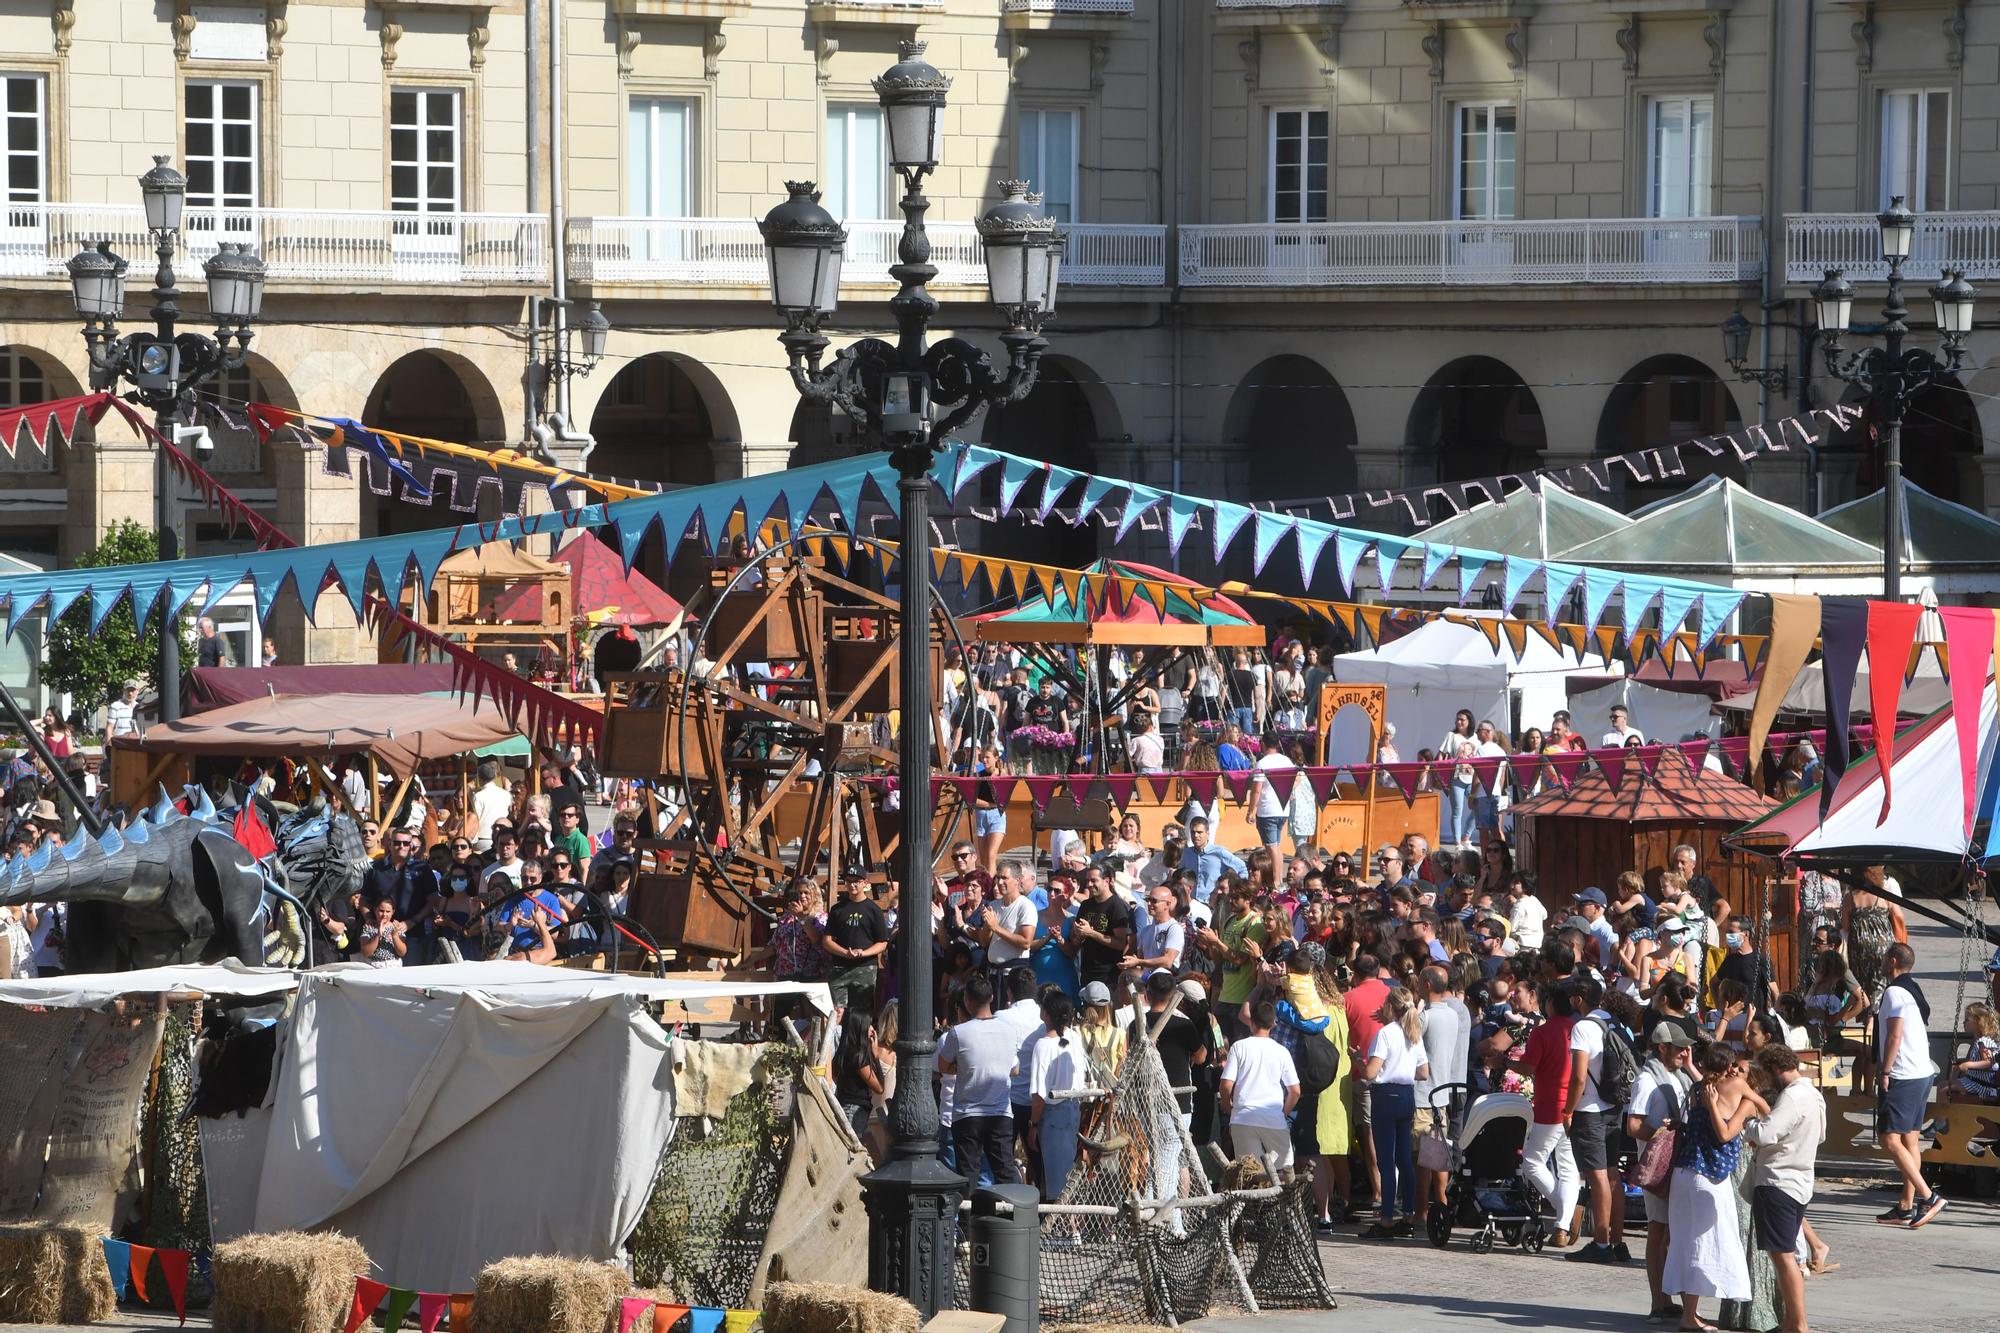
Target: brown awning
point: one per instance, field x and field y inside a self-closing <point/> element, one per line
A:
<point x="400" y="731"/>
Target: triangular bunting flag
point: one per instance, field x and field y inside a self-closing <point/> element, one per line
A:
<point x="1518" y="571"/>
<point x="1014" y="474"/>
<point x="1695" y="751"/>
<point x="1347" y="552"/>
<point x="1486" y="772"/>
<point x="1229" y="519"/>
<point x="401" y="1302"/>
<point x="1436" y="554"/>
<point x="1264" y="538"/>
<point x="1517" y="635"/>
<point x="1676" y="600"/>
<point x="1649" y="759"/>
<point x="1968" y="635"/>
<point x="460" y="1306"/>
<point x="1282" y="781"/>
<point x="1040" y="788"/>
<point x="367" y="1295"/>
<point x="1406" y="777"/>
<point x="1055" y="481"/>
<point x="1488" y="626"/>
<point x="431" y="1308"/>
<point x="1735" y="754"/>
<point x="1612" y="761"/>
<point x="1639" y="595"/>
<point x="666" y="1316"/>
<point x="1564" y="766"/>
<point x="1138" y="500"/>
<point x="1716" y="609"/>
<point x="1322" y="782"/>
<point x="1892" y="634"/>
<point x="1598" y="587"/>
<point x="1181" y="511"/>
<point x="1387" y="552"/>
<point x="1312" y="539"/>
<point x="142" y="1260"/>
<point x="629" y="1310"/>
<point x="701" y="1320"/>
<point x="174" y="1267"/>
<point x="1238" y="782"/>
<point x="1752" y="647"/>
<point x="1557" y="580"/>
<point x="741" y="1321"/>
<point x="118" y="1258"/>
<point x="1470" y="567"/>
<point x="1843" y="633"/>
<point x="1121" y="787"/>
<point x="1094" y="491"/>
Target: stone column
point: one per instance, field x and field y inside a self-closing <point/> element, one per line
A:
<point x="314" y="509"/>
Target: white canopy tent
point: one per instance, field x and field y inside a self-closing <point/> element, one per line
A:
<point x="1925" y="692"/>
<point x="1443" y="666"/>
<point x="1660" y="715"/>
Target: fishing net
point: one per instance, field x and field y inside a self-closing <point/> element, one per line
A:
<point x="704" y="1227"/>
<point x="176" y="1199"/>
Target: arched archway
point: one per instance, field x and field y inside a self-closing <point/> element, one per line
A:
<point x="1060" y="422"/>
<point x="435" y="395"/>
<point x="1296" y="428"/>
<point x="1475" y="417"/>
<point x="34" y="477"/>
<point x="238" y="452"/>
<point x="1667" y="400"/>
<point x="657" y="421"/>
<point x="1942" y="441"/>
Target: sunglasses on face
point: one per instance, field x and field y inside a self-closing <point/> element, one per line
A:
<point x="961" y="856"/>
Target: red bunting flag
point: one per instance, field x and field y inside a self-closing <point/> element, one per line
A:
<point x="1040" y="788"/>
<point x="266" y="420"/>
<point x="1239" y="784"/>
<point x="64" y="412"/>
<point x="1282" y="781"/>
<point x="431" y="1308"/>
<point x="1892" y="632"/>
<point x="629" y="1310"/>
<point x="1121" y="787"/>
<point x="1735" y="753"/>
<point x="1649" y="759"/>
<point x="367" y="1295"/>
<point x="174" y="1265"/>
<point x="1612" y="761"/>
<point x="1968" y="638"/>
<point x="1486" y="772"/>
<point x="1406" y="777"/>
<point x="142" y="1259"/>
<point x="1322" y="780"/>
<point x="1565" y="766"/>
<point x="1696" y="753"/>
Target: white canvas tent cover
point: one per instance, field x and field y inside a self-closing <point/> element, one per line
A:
<point x="1925" y="692"/>
<point x="1443" y="666"/>
<point x="1924" y="822"/>
<point x="1660" y="715"/>
<point x="447" y="1117"/>
<point x="88" y="990"/>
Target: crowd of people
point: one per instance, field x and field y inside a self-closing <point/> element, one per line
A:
<point x="1331" y="1012"/>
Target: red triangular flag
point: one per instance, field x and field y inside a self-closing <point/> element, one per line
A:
<point x="1486" y="772"/>
<point x="629" y="1309"/>
<point x="1649" y="759"/>
<point x="1004" y="787"/>
<point x="1239" y="784"/>
<point x="1892" y="632"/>
<point x="174" y="1264"/>
<point x="251" y="832"/>
<point x="1282" y="781"/>
<point x="937" y="786"/>
<point x="431" y="1308"/>
<point x="1406" y="777"/>
<point x="666" y="1316"/>
<point x="1735" y="753"/>
<point x="1695" y="751"/>
<point x="1040" y="788"/>
<point x="142" y="1259"/>
<point x="1968" y="637"/>
<point x="1121" y="787"/>
<point x="1612" y="761"/>
<point x="1564" y="766"/>
<point x="1322" y="780"/>
<point x="367" y="1295"/>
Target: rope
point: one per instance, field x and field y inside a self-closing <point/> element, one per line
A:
<point x="1971" y="942"/>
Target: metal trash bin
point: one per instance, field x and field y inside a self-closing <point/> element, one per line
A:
<point x="1005" y="1234"/>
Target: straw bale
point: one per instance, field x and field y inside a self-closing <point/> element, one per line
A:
<point x="53" y="1275"/>
<point x="826" y="1307"/>
<point x="546" y="1294"/>
<point x="287" y="1282"/>
<point x="1246" y="1173"/>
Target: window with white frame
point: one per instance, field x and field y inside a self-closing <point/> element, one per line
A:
<point x="221" y="145"/>
<point x="1916" y="148"/>
<point x="1297" y="166"/>
<point x="857" y="161"/>
<point x="1483" y="161"/>
<point x="27" y="138"/>
<point x="22" y="384"/>
<point x="659" y="149"/>
<point x="425" y="157"/>
<point x="1680" y="139"/>
<point x="1047" y="159"/>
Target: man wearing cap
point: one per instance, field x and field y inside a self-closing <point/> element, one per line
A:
<point x="1591" y="905"/>
<point x="121" y="716"/>
<point x="1658" y="1095"/>
<point x="855" y="937"/>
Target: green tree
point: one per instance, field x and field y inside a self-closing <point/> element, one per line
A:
<point x="92" y="666"/>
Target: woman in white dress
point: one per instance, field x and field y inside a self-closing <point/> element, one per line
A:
<point x="1705" y="1253"/>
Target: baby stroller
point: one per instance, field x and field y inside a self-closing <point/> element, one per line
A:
<point x="1485" y="1189"/>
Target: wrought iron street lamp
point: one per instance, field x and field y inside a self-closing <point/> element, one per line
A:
<point x="166" y="366"/>
<point x="1736" y="333"/>
<point x="1891" y="372"/>
<point x="907" y="397"/>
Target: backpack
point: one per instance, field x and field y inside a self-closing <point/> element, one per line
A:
<point x="1619" y="1065"/>
<point x="1318" y="1062"/>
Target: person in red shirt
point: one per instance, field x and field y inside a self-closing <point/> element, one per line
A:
<point x="1546" y="1159"/>
<point x="1362" y="1001"/>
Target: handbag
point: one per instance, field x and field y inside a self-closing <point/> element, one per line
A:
<point x="1434" y="1151"/>
<point x="1654" y="1170"/>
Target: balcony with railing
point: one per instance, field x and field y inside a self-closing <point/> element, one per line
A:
<point x="1065" y="6"/>
<point x="1597" y="251"/>
<point x="298" y="246"/>
<point x="729" y="252"/>
<point x="1816" y="242"/>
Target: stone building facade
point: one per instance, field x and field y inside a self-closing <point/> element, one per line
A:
<point x="1315" y="244"/>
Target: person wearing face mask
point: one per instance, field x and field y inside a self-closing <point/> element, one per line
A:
<point x="1746" y="965"/>
<point x="456" y="924"/>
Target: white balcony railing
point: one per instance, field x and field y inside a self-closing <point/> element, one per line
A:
<point x="1279" y="4"/>
<point x="730" y="252"/>
<point x="1065" y="6"/>
<point x="297" y="245"/>
<point x="1472" y="254"/>
<point x="1816" y="242"/>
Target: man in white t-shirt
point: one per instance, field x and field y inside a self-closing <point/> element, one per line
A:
<point x="1595" y="1120"/>
<point x="1658" y="1095"/>
<point x="121" y="715"/>
<point x="1270" y="806"/>
<point x="1903" y="1083"/>
<point x="1260" y="1088"/>
<point x="1007" y="927"/>
<point x="491" y="804"/>
<point x="1161" y="940"/>
<point x="1622" y="731"/>
<point x="1447" y="1037"/>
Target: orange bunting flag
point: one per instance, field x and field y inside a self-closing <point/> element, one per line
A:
<point x="1794" y="629"/>
<point x="666" y="1316"/>
<point x="1892" y="630"/>
<point x="142" y="1259"/>
<point x="461" y="1311"/>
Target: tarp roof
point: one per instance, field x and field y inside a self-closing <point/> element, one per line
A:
<point x="1674" y="794"/>
<point x="498" y="560"/>
<point x="604" y="592"/>
<point x="85" y="990"/>
<point x="1936" y="531"/>
<point x="400" y="731"/>
<point x="1539" y="524"/>
<point x="1718" y="525"/>
<point x="213" y="687"/>
<point x="1124" y="615"/>
<point x="1924" y="821"/>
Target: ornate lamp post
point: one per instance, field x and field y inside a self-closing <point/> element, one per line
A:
<point x="1893" y="373"/>
<point x="166" y="366"/>
<point x="907" y="397"/>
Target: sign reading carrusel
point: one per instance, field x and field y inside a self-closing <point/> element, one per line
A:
<point x="1421" y="506"/>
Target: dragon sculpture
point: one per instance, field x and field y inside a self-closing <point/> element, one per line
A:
<point x="174" y="887"/>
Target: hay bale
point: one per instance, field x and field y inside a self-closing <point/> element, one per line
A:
<point x="289" y="1282"/>
<point x="54" y="1275"/>
<point x="546" y="1294"/>
<point x="1246" y="1173"/>
<point x="827" y="1307"/>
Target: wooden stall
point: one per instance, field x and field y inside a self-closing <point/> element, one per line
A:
<point x="495" y="598"/>
<point x="1589" y="834"/>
